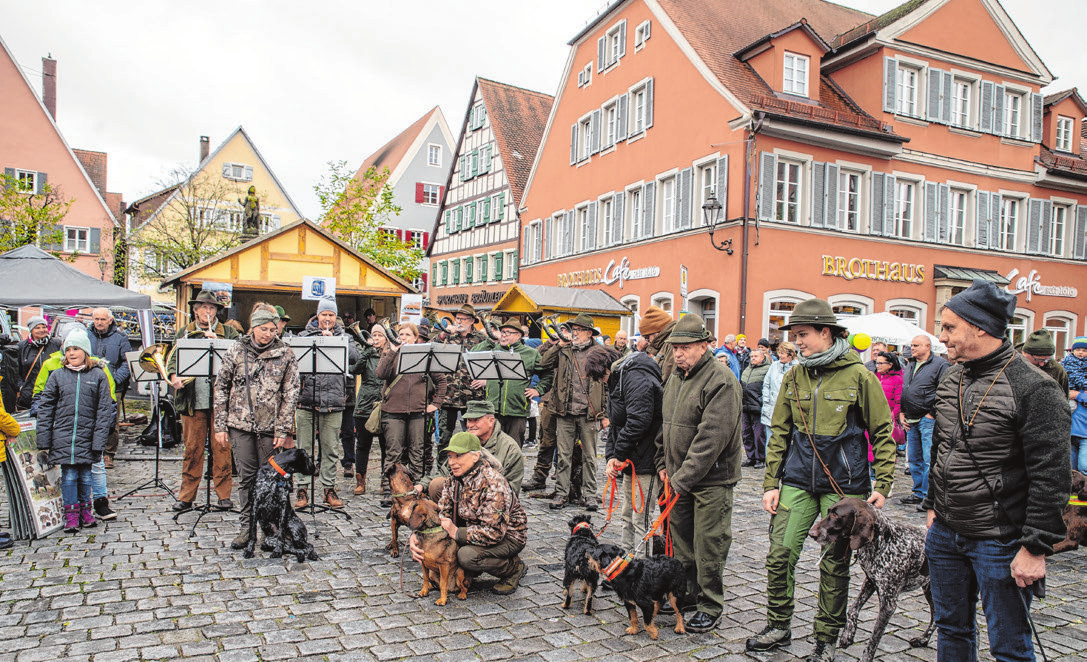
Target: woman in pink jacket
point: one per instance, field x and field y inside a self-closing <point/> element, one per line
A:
<point x="890" y="377"/>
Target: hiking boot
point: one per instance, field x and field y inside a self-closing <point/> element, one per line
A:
<point x="107" y="461"/>
<point x="534" y="483"/>
<point x="182" y="506"/>
<point x="240" y="540"/>
<point x="558" y="502"/>
<point x="331" y="499"/>
<point x="302" y="501"/>
<point x="71" y="519"/>
<point x="360" y="484"/>
<point x="102" y="509"/>
<point x="225" y="504"/>
<point x="86" y="516"/>
<point x="349" y="471"/>
<point x="823" y="652"/>
<point x="770" y="638"/>
<point x="509" y="584"/>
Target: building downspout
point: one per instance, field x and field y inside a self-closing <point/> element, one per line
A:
<point x="753" y="129"/>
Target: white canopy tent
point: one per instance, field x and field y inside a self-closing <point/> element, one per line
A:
<point x="890" y="329"/>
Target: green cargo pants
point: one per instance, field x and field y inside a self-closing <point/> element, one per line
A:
<point x="701" y="526"/>
<point x="797" y="511"/>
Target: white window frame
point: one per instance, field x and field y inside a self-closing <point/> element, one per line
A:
<point x="704" y="294"/>
<point x="630" y="323"/>
<point x="641" y="35"/>
<point x="771" y="297"/>
<point x="584" y="138"/>
<point x="667" y="202"/>
<point x="1009" y="240"/>
<point x="633" y="210"/>
<point x="610" y="124"/>
<point x="866" y="304"/>
<point x="23" y="176"/>
<point x="581" y="225"/>
<point x="906" y="210"/>
<point x="1066" y="317"/>
<point x="585" y="76"/>
<point x="1065" y="132"/>
<point x="509" y="265"/>
<point x="612" y="44"/>
<point x="1013" y="123"/>
<point x="908" y="78"/>
<point x="794" y="77"/>
<point x="912" y="305"/>
<point x="535" y="243"/>
<point x="665" y="301"/>
<point x="705" y="182"/>
<point x="433" y="148"/>
<point x="844" y="196"/>
<point x="958" y="219"/>
<point x="73" y="246"/>
<point x="782" y="204"/>
<point x="963" y="115"/>
<point x="607" y="220"/>
<point x="638" y="112"/>
<point x="234" y="172"/>
<point x="434" y="189"/>
<point x="1058" y="233"/>
<point x="1026" y="327"/>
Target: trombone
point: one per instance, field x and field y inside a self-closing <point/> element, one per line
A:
<point x="152" y="359"/>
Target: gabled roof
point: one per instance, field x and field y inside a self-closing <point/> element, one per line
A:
<point x="396" y="153"/>
<point x="802" y="24"/>
<point x="160" y="199"/>
<point x="30" y="89"/>
<point x="1057" y="97"/>
<point x="518" y="118"/>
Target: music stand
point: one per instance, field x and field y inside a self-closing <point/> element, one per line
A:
<point x="203" y="357"/>
<point x="319" y="355"/>
<point x="495" y="365"/>
<point x="141" y="375"/>
<point x="428" y="357"/>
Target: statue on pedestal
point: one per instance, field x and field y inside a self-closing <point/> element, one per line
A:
<point x="251" y="213"/>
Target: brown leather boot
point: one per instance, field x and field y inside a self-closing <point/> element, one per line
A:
<point x="331" y="499"/>
<point x="360" y="484"/>
<point x="302" y="501"/>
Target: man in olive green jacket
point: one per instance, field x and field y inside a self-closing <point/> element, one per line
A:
<point x="480" y="419"/>
<point x="699" y="449"/>
<point x="828" y="410"/>
<point x="510" y="396"/>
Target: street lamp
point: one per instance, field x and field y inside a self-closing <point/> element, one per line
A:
<point x="102" y="265"/>
<point x="711" y="213"/>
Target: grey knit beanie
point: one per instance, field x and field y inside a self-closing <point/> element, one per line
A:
<point x="327" y="304"/>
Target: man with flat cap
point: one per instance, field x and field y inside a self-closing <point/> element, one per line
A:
<point x="999" y="481"/>
<point x="1039" y="350"/>
<point x="578" y="403"/>
<point x="480" y="419"/>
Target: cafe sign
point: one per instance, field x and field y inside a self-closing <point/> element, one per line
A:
<point x="614" y="273"/>
<point x="859" y="267"/>
<point x="1032" y="284"/>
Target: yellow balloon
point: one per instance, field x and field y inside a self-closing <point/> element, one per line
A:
<point x="862" y="341"/>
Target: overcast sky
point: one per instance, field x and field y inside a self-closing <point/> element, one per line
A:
<point x="318" y="81"/>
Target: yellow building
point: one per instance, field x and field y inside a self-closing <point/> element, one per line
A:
<point x="209" y="203"/>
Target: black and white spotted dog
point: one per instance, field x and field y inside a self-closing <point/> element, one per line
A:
<point x="283" y="529"/>
<point x="892" y="557"/>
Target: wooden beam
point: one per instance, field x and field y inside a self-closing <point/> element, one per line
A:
<point x="302" y="239"/>
<point x="337" y="255"/>
<point x="291" y="257"/>
<point x="264" y="256"/>
<point x="234" y="268"/>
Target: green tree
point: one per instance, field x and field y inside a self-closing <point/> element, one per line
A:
<point x="355" y="208"/>
<point x="31" y="217"/>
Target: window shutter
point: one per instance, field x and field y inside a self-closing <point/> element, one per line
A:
<point x="594" y="131"/>
<point x="945" y="98"/>
<point x="501" y="212"/>
<point x="985" y="109"/>
<point x="932" y="207"/>
<point x="818" y="194"/>
<point x="890" y="70"/>
<point x="721" y="192"/>
<point x="649" y="209"/>
<point x="767" y="170"/>
<point x="227" y="169"/>
<point x="418" y="192"/>
<point x="513" y="265"/>
<point x="460" y="218"/>
<point x="683" y="213"/>
<point x="573" y="143"/>
<point x="889" y="182"/>
<point x="483" y="268"/>
<point x="1079" y="238"/>
<point x="441" y="195"/>
<point x="600" y="54"/>
<point x="485" y="215"/>
<point x="994" y="223"/>
<point x="935" y="87"/>
<point x="475" y="162"/>
<point x="998" y="110"/>
<point x="426" y="240"/>
<point x="248" y="173"/>
<point x="548" y="224"/>
<point x="570" y="233"/>
<point x="645" y="32"/>
<point x="461" y="167"/>
<point x="943" y="214"/>
<point x="456" y="271"/>
<point x="592" y="224"/>
<point x="981" y="236"/>
<point x="649" y="103"/>
<point x="875" y="216"/>
<point x="1034" y="226"/>
<point x="1036" y="113"/>
<point x="617" y="219"/>
<point x="1047" y="218"/>
<point x="498" y="266"/>
<point x="622" y="108"/>
<point x="42" y="178"/>
<point x="830" y="220"/>
<point x="449" y="228"/>
<point x="95" y="240"/>
<point x="469" y="269"/>
<point x="623" y="38"/>
<point x="525" y="246"/>
<point x="434" y="268"/>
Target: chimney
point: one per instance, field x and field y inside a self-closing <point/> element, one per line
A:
<point x="49" y="85"/>
<point x="204" y="148"/>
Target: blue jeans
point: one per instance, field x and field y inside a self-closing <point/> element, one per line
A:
<point x="918" y="453"/>
<point x="1079" y="454"/>
<point x="98" y="479"/>
<point x="75" y="483"/>
<point x="961" y="567"/>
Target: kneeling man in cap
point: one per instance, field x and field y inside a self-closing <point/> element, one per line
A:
<point x="481" y="512"/>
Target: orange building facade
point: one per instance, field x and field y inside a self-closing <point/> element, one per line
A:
<point x="879" y="162"/>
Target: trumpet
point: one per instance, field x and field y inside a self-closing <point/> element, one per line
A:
<point x="394" y="339"/>
<point x="360" y="334"/>
<point x="153" y="360"/>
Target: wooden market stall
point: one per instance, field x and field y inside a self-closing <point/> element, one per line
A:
<point x="272" y="267"/>
<point x="533" y="302"/>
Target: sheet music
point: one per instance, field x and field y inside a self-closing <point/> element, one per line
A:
<point x="320" y="355"/>
<point x="201" y="357"/>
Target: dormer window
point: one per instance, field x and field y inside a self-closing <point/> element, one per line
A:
<point x="1065" y="127"/>
<point x="795" y="80"/>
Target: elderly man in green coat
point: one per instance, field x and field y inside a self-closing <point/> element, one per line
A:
<point x="510" y="396"/>
<point x="480" y="419"/>
<point x="699" y="450"/>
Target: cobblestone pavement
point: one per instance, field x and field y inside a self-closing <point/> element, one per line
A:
<point x="141" y="588"/>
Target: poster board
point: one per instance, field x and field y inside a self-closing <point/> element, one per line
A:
<point x="34" y="498"/>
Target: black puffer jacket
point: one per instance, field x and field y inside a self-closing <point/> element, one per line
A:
<point x="1019" y="443"/>
<point x="919" y="389"/>
<point x="325" y="393"/>
<point x="75" y="414"/>
<point x="634" y="410"/>
<point x="31" y="358"/>
<point x="751" y="379"/>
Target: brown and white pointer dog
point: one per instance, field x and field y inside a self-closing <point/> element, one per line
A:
<point x="892" y="557"/>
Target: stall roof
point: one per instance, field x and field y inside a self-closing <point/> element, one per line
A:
<point x="36" y="278"/>
<point x="968" y="274"/>
<point x="548" y="297"/>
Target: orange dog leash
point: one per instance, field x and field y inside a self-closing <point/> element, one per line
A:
<point x="612" y="488"/>
<point x="668" y="501"/>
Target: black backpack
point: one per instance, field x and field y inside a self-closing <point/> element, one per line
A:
<point x="171" y="426"/>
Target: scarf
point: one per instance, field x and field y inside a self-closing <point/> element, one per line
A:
<point x="841" y="346"/>
<point x="1077" y="372"/>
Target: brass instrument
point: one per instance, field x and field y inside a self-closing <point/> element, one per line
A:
<point x="555" y="330"/>
<point x="153" y="360"/>
<point x="360" y="334"/>
<point x="394" y="339"/>
<point x="491" y="328"/>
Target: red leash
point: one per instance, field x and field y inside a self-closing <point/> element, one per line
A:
<point x="667" y="501"/>
<point x="613" y="488"/>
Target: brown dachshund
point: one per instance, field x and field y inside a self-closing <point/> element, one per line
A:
<point x="403" y="500"/>
<point x="439" y="552"/>
<point x="1075" y="517"/>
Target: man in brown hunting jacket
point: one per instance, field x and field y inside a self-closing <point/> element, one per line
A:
<point x="458" y="389"/>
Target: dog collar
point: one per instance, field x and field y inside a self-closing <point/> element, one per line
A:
<point x="433" y="529"/>
<point x="1076" y="501"/>
<point x="275" y="466"/>
<point x="617" y="566"/>
<point x="401" y="495"/>
<point x="582" y="525"/>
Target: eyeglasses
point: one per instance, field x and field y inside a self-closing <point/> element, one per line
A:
<point x="882" y="363"/>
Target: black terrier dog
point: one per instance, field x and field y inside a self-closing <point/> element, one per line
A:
<point x="581" y="543"/>
<point x="272" y="507"/>
<point x="646" y="584"/>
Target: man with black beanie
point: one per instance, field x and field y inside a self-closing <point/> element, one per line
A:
<point x="999" y="480"/>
